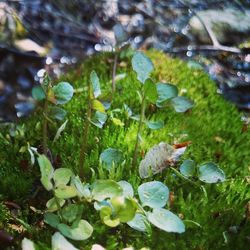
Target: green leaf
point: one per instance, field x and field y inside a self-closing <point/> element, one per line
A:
<point x="60" y="130"/>
<point x="124" y="208"/>
<point x="63" y="92"/>
<point x="66" y="192"/>
<point x="153" y="194"/>
<point x="211" y="173"/>
<point x="95" y="84"/>
<point x="111" y="156"/>
<point x="62" y="176"/>
<point x="155" y="125"/>
<point x="105" y="214"/>
<point x="72" y="212"/>
<point x="103" y="189"/>
<point x="165" y="92"/>
<point x="117" y="122"/>
<point x="181" y="104"/>
<point x="80" y="230"/>
<point x="57" y="113"/>
<point x="52" y="204"/>
<point x="97" y="105"/>
<point x="139" y="223"/>
<point x="166" y="220"/>
<point x="83" y="189"/>
<point x="60" y="243"/>
<point x="38" y="93"/>
<point x="142" y="65"/>
<point x="187" y="168"/>
<point x="99" y="119"/>
<point x="150" y="90"/>
<point x="52" y="219"/>
<point x="127" y="188"/>
<point x="47" y="171"/>
<point x="120" y="33"/>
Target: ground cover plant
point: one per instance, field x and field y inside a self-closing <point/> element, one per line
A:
<point x="119" y="153"/>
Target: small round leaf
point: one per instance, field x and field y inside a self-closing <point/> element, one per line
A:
<point x="165" y="92"/>
<point x="103" y="189"/>
<point x="111" y="156"/>
<point x="62" y="176"/>
<point x="181" y="104"/>
<point x="127" y="188"/>
<point x="139" y="223"/>
<point x="211" y="173"/>
<point x="63" y="92"/>
<point x="60" y="243"/>
<point x="153" y="194"/>
<point x="38" y="93"/>
<point x="187" y="168"/>
<point x="166" y="220"/>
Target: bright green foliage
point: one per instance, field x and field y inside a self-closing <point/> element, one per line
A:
<point x="211" y="117"/>
<point x="150" y="90"/>
<point x="166" y="220"/>
<point x="62" y="176"/>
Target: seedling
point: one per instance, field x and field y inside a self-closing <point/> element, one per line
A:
<point x="99" y="119"/>
<point x="51" y="96"/>
<point x="160" y="94"/>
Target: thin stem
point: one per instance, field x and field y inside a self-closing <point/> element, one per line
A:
<point x="183" y="177"/>
<point x="137" y="144"/>
<point x="114" y="73"/>
<point x="45" y="126"/>
<point x="85" y="134"/>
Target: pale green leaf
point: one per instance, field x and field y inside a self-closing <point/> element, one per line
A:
<point x="142" y="65"/>
<point x="139" y="223"/>
<point x="103" y="189"/>
<point x="47" y="172"/>
<point x="153" y="194"/>
<point x="181" y="104"/>
<point x="52" y="219"/>
<point x="63" y="92"/>
<point x="187" y="168"/>
<point x="111" y="156"/>
<point x="127" y="188"/>
<point x="80" y="230"/>
<point x="60" y="243"/>
<point x="38" y="93"/>
<point x="154" y="125"/>
<point x="66" y="192"/>
<point x="211" y="173"/>
<point x="165" y="92"/>
<point x="95" y="84"/>
<point x="166" y="220"/>
<point x="62" y="176"/>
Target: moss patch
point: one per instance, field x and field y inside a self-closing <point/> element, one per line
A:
<point x="214" y="127"/>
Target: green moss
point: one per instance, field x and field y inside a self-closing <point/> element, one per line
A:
<point x="214" y="127"/>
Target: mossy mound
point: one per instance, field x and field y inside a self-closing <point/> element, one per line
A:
<point x="213" y="126"/>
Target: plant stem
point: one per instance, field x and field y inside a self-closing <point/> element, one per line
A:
<point x="85" y="134"/>
<point x="114" y="73"/>
<point x="45" y="126"/>
<point x="183" y="177"/>
<point x="58" y="206"/>
<point x="137" y="144"/>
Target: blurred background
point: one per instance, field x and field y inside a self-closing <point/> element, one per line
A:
<point x="55" y="35"/>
